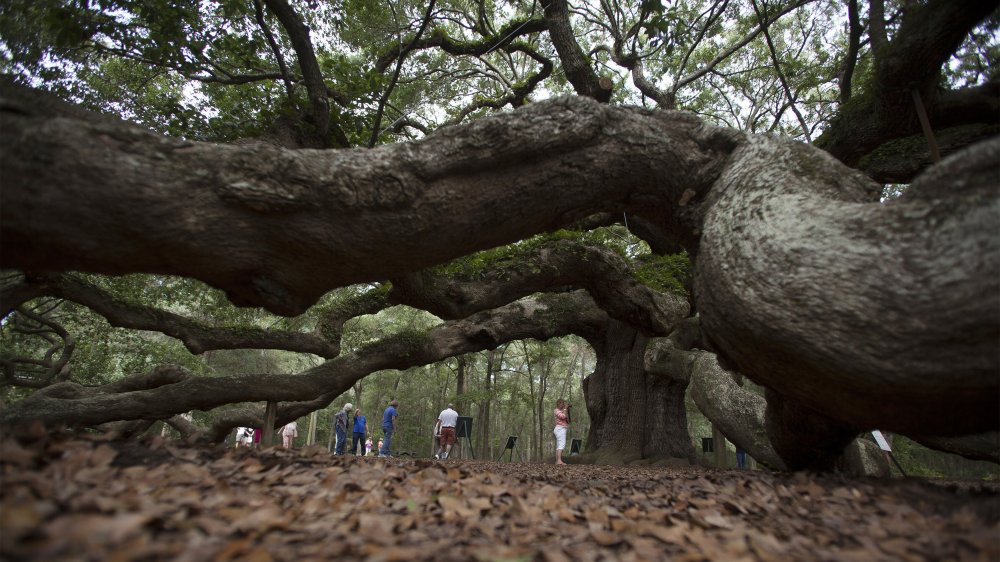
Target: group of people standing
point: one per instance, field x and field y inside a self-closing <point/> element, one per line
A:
<point x="361" y="438"/>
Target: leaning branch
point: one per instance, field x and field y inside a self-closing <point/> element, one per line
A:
<point x="726" y="53"/>
<point x="196" y="337"/>
<point x="171" y="390"/>
<point x="439" y="38"/>
<point x="552" y="266"/>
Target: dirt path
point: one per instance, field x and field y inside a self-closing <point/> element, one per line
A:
<point x="109" y="501"/>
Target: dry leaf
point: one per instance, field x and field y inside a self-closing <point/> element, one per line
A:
<point x="605" y="538"/>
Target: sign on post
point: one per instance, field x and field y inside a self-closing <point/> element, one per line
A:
<point x="882" y="443"/>
<point x="464" y="428"/>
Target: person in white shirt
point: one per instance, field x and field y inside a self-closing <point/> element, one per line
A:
<point x="445" y="428"/>
<point x="289" y="433"/>
<point x="244" y="436"/>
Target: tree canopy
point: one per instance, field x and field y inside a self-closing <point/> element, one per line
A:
<point x="696" y="189"/>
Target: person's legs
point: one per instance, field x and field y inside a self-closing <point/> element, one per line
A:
<point x="560" y="433"/>
<point x="354" y="443"/>
<point x="341" y="441"/>
<point x="447" y="440"/>
<point x="386" y="443"/>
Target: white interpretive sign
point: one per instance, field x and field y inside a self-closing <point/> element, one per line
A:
<point x="880" y="439"/>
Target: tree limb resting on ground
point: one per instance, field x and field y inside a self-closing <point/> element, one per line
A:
<point x="843" y="305"/>
<point x="170" y="390"/>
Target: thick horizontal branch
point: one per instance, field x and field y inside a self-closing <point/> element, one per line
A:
<point x="279" y="228"/>
<point x="978" y="446"/>
<point x="902" y="159"/>
<point x="803" y="281"/>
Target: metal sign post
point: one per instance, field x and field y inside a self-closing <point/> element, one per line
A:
<point x="511" y="443"/>
<point x="464" y="429"/>
<point x="884" y="445"/>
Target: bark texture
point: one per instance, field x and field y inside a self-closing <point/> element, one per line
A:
<point x="928" y="34"/>
<point x="633" y="415"/>
<point x="851" y="308"/>
<point x="278" y="228"/>
<point x="169" y="390"/>
<point x="734" y="410"/>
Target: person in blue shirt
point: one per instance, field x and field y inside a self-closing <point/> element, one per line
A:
<point x="360" y="430"/>
<point x="388" y="428"/>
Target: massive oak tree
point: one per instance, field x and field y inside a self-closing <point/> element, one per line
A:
<point x="853" y="313"/>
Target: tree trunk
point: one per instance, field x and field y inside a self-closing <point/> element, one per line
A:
<point x="270" y="414"/>
<point x="633" y="415"/>
<point x="848" y="306"/>
<point x="719" y="440"/>
<point x="544" y="370"/>
<point x="460" y="380"/>
<point x="358" y="388"/>
<point x="484" y="408"/>
<point x="311" y="436"/>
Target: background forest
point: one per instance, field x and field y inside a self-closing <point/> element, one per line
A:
<point x="364" y="73"/>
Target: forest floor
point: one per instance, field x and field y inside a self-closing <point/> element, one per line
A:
<point x="89" y="499"/>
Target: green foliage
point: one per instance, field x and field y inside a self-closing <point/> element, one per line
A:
<point x="666" y="274"/>
<point x="400" y="324"/>
<point x="475" y="266"/>
<point x="977" y="59"/>
<point x="205" y="70"/>
<point x="661" y="273"/>
<point x="918" y="460"/>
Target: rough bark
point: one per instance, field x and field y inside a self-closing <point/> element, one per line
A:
<point x="170" y="390"/>
<point x="900" y="160"/>
<point x="633" y="415"/>
<point x="575" y="63"/>
<point x="928" y="34"/>
<point x="848" y="306"/>
<point x="328" y="133"/>
<point x="852" y="308"/>
<point x="737" y="412"/>
<point x="242" y="218"/>
<point x="197" y="337"/>
<point x="864" y="458"/>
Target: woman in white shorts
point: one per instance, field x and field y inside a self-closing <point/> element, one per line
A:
<point x="562" y="427"/>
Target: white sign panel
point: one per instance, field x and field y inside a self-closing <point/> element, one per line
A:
<point x="880" y="439"/>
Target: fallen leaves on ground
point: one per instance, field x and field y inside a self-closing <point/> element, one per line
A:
<point x="86" y="499"/>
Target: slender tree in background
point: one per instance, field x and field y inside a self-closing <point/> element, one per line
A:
<point x="246" y="165"/>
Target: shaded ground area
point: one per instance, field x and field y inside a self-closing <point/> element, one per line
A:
<point x="93" y="500"/>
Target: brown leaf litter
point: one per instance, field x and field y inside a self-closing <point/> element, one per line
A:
<point x="87" y="499"/>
